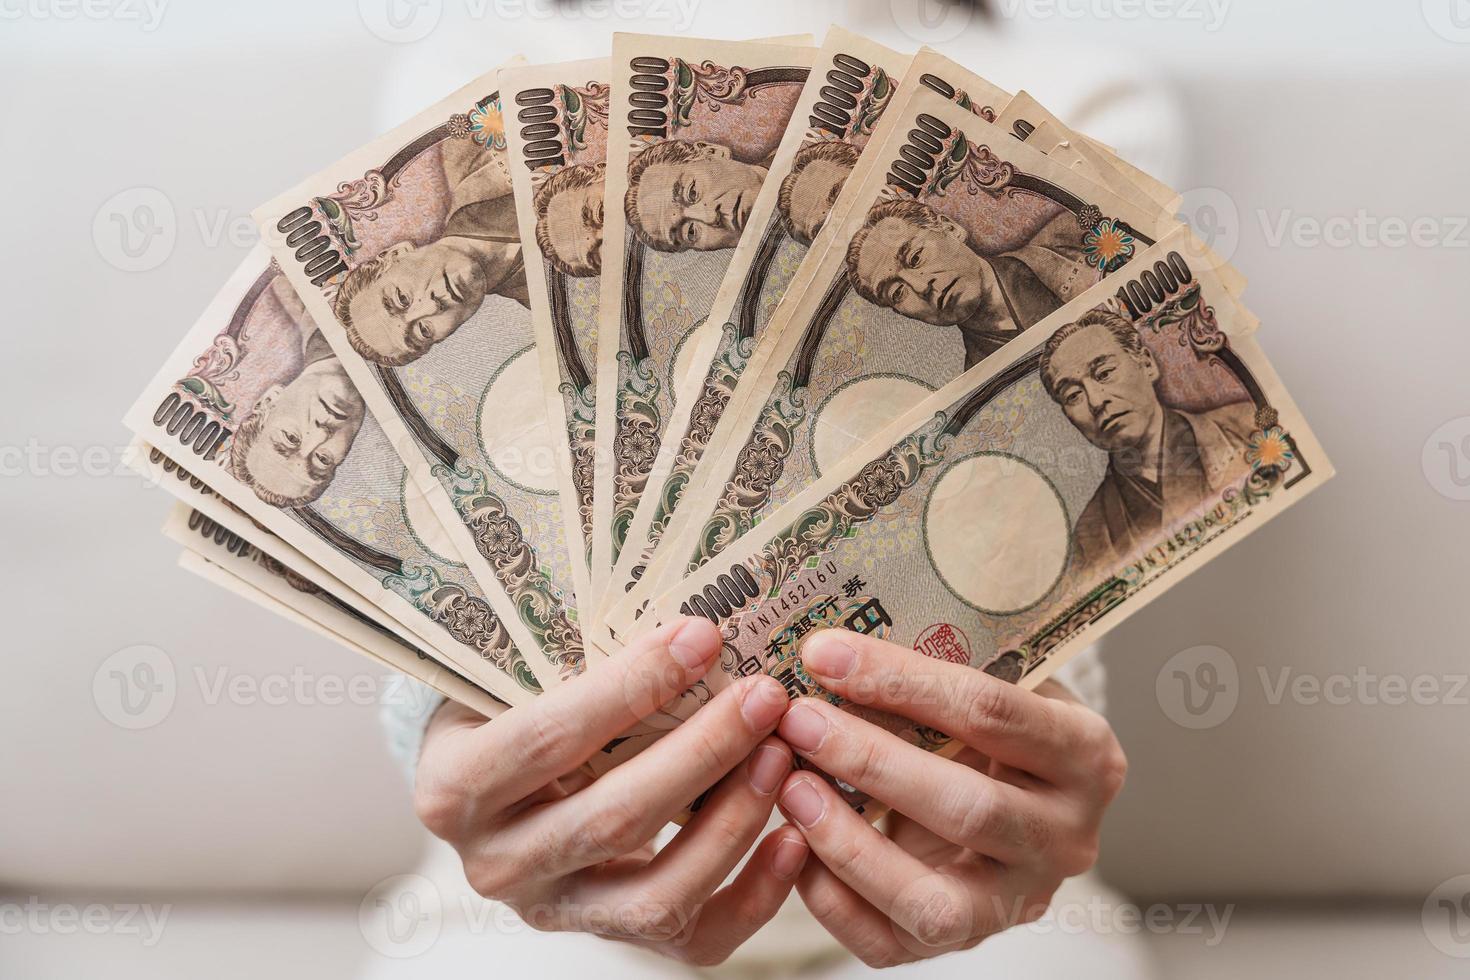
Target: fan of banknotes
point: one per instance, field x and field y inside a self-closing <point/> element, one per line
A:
<point x="787" y="337"/>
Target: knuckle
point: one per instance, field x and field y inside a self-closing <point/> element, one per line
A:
<point x="989" y="710"/>
<point x="710" y="747"/>
<point x="1080" y="856"/>
<point x="945" y="925"/>
<point x="488" y="878"/>
<point x="867" y="761"/>
<point x="975" y="818"/>
<point x="1112" y="769"/>
<point x="549" y="735"/>
<point x="614" y="829"/>
<point x="846" y="857"/>
<point x="439" y="808"/>
<point x="655" y="922"/>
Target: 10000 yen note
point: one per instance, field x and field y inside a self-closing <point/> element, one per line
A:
<point x="1027" y="507"/>
<point x="851" y="82"/>
<point x="959" y="240"/>
<point x="255" y="569"/>
<point x="556" y="131"/>
<point x="408" y="256"/>
<point x="256" y="405"/>
<point x="694" y="125"/>
<point x="661" y="561"/>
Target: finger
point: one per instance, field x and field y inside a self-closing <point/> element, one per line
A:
<point x="851" y="920"/>
<point x="626" y="807"/>
<point x="556" y="732"/>
<point x="959" y="804"/>
<point x="937" y="909"/>
<point x="1014" y="726"/>
<point x="699" y="858"/>
<point x="737" y="911"/>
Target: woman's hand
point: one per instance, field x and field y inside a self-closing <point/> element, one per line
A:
<point x="981" y="842"/>
<point x="568" y="853"/>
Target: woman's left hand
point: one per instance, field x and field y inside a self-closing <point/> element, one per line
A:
<point x="978" y="843"/>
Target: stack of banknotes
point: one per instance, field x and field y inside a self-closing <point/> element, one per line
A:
<point x="788" y="337"/>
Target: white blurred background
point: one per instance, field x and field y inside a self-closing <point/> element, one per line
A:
<point x="1321" y="796"/>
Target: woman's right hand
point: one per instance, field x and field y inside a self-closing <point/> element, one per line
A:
<point x="573" y="854"/>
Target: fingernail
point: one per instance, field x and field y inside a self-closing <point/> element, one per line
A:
<point x="804" y="728"/>
<point x="767" y="767"/>
<point x="803" y="803"/>
<point x="828" y="656"/>
<point x="762" y="703"/>
<point x="695" y="643"/>
<point x="789" y="857"/>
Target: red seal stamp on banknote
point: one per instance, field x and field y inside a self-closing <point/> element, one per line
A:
<point x="944" y="641"/>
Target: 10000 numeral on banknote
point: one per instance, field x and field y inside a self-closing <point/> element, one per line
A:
<point x="1036" y="501"/>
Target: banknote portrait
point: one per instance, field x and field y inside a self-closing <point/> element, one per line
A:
<point x="808" y="192"/>
<point x="255" y="402"/>
<point x="301" y="428"/>
<point x="916" y="261"/>
<point x="691" y="194"/>
<point x="568" y="208"/>
<point x="412" y="294"/>
<point x="410" y="257"/>
<point x="943" y="265"/>
<point x="701" y="135"/>
<point x="1163" y="462"/>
